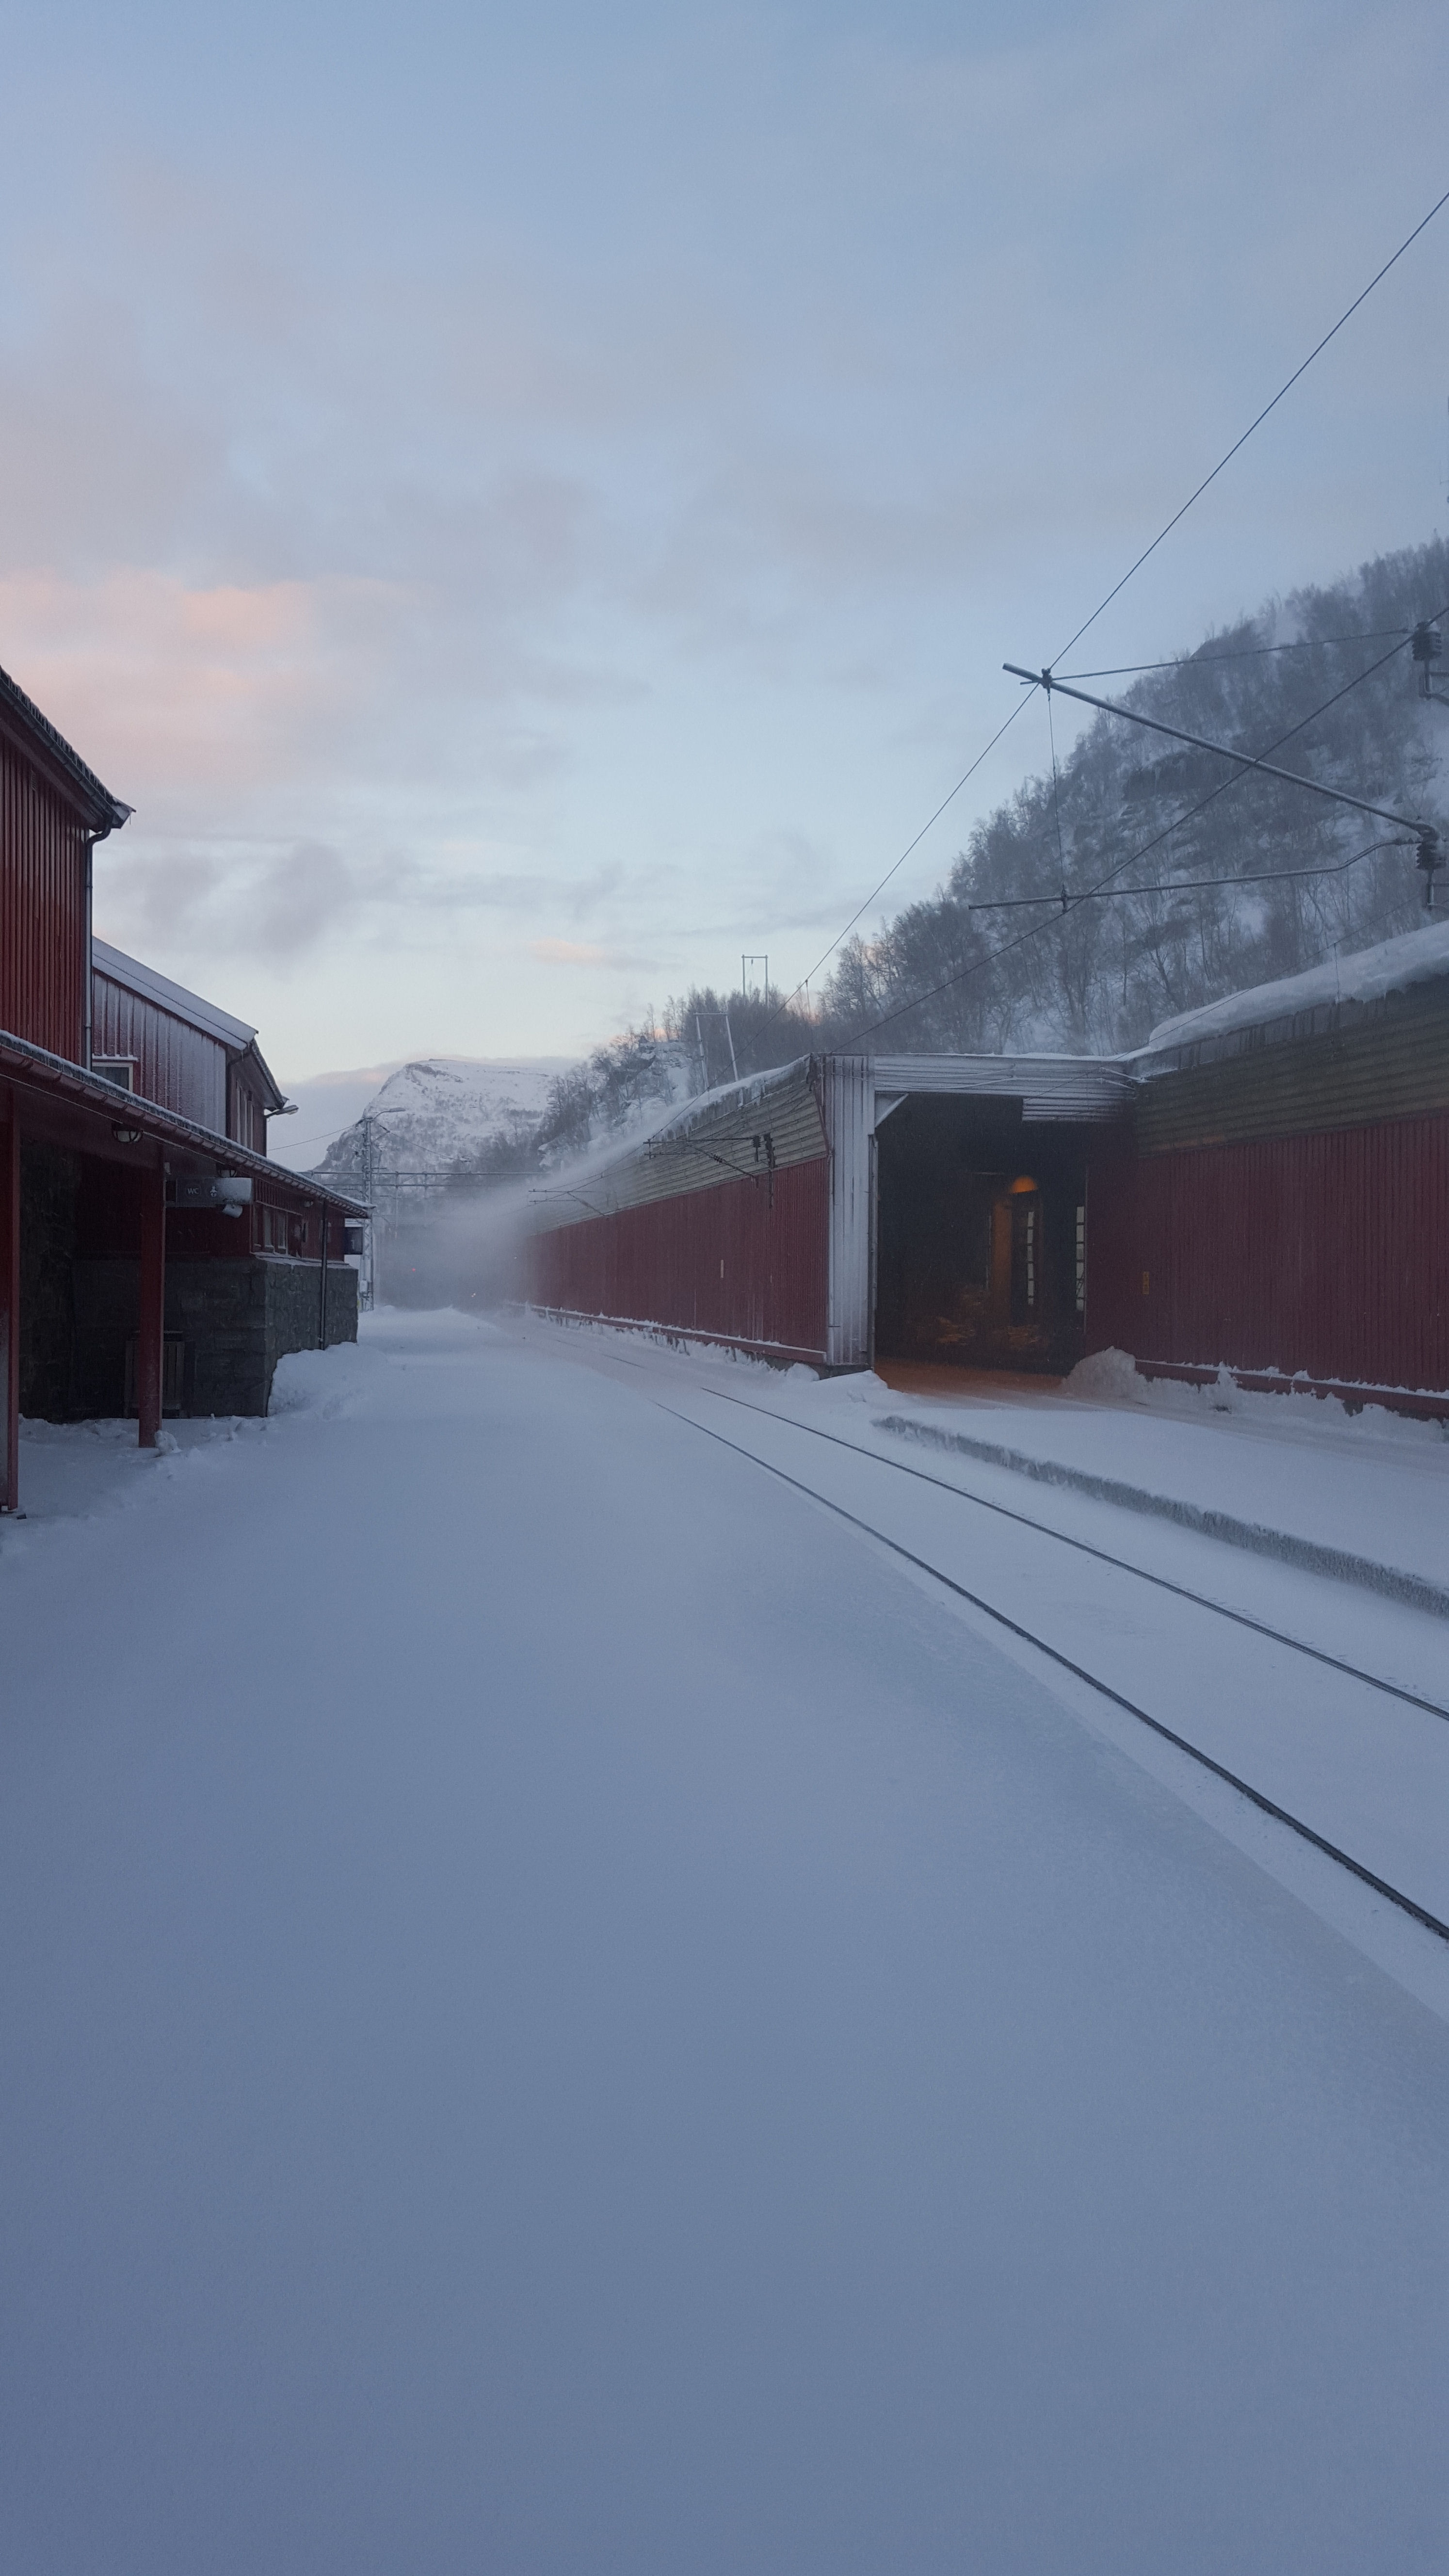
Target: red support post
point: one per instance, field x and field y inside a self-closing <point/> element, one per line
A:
<point x="9" y="1307"/>
<point x="151" y="1325"/>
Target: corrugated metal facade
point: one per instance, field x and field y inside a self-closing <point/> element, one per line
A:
<point x="744" y="1261"/>
<point x="750" y="1129"/>
<point x="178" y="1066"/>
<point x="1083" y="1090"/>
<point x="1390" y="1062"/>
<point x="1286" y="1208"/>
<point x="1325" y="1253"/>
<point x="43" y="847"/>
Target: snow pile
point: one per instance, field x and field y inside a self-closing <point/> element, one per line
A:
<point x="1419" y="957"/>
<point x="328" y="1382"/>
<point x="1112" y="1377"/>
<point x="1106" y="1377"/>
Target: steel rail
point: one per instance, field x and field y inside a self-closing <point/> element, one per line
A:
<point x="1063" y="1538"/>
<point x="1084" y="1547"/>
<point x="1256" y="1797"/>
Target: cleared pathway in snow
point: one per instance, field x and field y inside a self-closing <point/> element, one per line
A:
<point x="559" y="2013"/>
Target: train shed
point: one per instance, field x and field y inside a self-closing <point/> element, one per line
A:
<point x="847" y="1207"/>
<point x="1263" y="1187"/>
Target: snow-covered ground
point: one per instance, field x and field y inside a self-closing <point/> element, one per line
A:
<point x="1372" y="1485"/>
<point x="562" y="2010"/>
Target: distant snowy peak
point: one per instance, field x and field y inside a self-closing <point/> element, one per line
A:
<point x="443" y="1110"/>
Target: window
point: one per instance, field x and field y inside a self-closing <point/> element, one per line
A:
<point x="1026" y="1245"/>
<point x="119" y="1069"/>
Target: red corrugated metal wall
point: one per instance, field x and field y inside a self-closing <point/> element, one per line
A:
<point x="1325" y="1253"/>
<point x="725" y="1261"/>
<point x="42" y="912"/>
<point x="177" y="1065"/>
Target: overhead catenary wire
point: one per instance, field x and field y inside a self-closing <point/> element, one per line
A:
<point x="1237" y="653"/>
<point x="1199" y="742"/>
<point x="894" y="868"/>
<point x="1078" y="895"/>
<point x="1184" y="885"/>
<point x="1286" y="388"/>
<point x="1133" y="568"/>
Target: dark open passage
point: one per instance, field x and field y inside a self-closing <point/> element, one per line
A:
<point x="981" y="1236"/>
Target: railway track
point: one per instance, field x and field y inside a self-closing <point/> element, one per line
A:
<point x="1268" y="1806"/>
<point x="1375" y="1789"/>
<point x="926" y="1563"/>
<point x="1104" y="1556"/>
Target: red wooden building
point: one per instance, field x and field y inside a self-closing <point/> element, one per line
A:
<point x="1265" y="1186"/>
<point x="151" y="1257"/>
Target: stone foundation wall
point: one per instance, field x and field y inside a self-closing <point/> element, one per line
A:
<point x="235" y="1320"/>
<point x="48" y="1180"/>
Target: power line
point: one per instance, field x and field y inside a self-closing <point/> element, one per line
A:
<point x="1181" y="885"/>
<point x="1136" y="567"/>
<point x="1243" y="653"/>
<point x="896" y="864"/>
<point x="1199" y="742"/>
<point x="1268" y="407"/>
<point x="1034" y="929"/>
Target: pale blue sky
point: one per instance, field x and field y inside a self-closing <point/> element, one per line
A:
<point x="529" y="503"/>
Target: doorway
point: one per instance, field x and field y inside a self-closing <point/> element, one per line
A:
<point x="980" y="1242"/>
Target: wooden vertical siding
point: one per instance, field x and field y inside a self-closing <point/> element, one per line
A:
<point x="42" y="911"/>
<point x="744" y="1262"/>
<point x="1325" y="1253"/>
<point x="178" y="1066"/>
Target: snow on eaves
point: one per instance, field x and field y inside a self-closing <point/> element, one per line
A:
<point x="652" y="1124"/>
<point x="1419" y="957"/>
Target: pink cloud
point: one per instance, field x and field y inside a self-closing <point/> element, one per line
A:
<point x="164" y="687"/>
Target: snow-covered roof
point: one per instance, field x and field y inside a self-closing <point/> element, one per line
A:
<point x="688" y="1145"/>
<point x="136" y="978"/>
<point x="1419" y="957"/>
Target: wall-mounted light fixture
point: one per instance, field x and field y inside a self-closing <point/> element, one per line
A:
<point x="126" y="1135"/>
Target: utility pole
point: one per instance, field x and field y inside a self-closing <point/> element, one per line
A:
<point x="370" y="1267"/>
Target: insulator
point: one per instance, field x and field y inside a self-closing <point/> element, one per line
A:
<point x="1428" y="644"/>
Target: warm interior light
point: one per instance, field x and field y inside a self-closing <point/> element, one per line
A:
<point x="1017" y="1189"/>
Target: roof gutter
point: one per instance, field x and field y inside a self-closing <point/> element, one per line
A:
<point x="55" y="1073"/>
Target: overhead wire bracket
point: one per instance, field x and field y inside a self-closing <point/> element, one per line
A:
<point x="1430" y="858"/>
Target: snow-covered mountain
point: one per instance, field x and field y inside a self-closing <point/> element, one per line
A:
<point x="443" y="1110"/>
